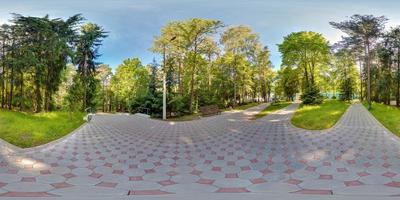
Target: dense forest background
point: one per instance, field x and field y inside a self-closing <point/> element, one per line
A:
<point x="50" y="64"/>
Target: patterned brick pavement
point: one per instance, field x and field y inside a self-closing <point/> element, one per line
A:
<point x="132" y="155"/>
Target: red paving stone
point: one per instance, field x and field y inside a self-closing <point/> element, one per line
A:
<point x="61" y="185"/>
<point x="136" y="178"/>
<point x="258" y="181"/>
<point x="44" y="172"/>
<point x="389" y="174"/>
<point x="118" y="172"/>
<point x="28" y="179"/>
<point x="148" y="192"/>
<point x="27" y="194"/>
<point x="294" y="181"/>
<point x="353" y="183"/>
<point x="206" y="181"/>
<point x="393" y="184"/>
<point x="107" y="184"/>
<point x="232" y="190"/>
<point x="362" y="174"/>
<point x="69" y="175"/>
<point x="166" y="183"/>
<point x="95" y="175"/>
<point x="341" y="169"/>
<point x="325" y="177"/>
<point x="314" y="192"/>
<point x="231" y="175"/>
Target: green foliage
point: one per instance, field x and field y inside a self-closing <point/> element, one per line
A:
<point x="344" y="68"/>
<point x="347" y="89"/>
<point x="289" y="82"/>
<point x="29" y="130"/>
<point x="86" y="53"/>
<point x="198" y="75"/>
<point x="389" y="116"/>
<point x="131" y="80"/>
<point x="311" y="96"/>
<point x="308" y="51"/>
<point x="74" y="98"/>
<point x="363" y="31"/>
<point x="35" y="52"/>
<point x="318" y="117"/>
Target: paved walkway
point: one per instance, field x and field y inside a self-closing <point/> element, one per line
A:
<point x="125" y="154"/>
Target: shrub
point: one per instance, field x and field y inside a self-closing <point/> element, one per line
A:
<point x="312" y="95"/>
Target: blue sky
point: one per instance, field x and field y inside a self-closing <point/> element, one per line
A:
<point x="132" y="24"/>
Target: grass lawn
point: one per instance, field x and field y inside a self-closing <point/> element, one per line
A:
<point x="389" y="116"/>
<point x="29" y="130"/>
<point x="318" y="117"/>
<point x="185" y="117"/>
<point x="271" y="108"/>
<point x="244" y="106"/>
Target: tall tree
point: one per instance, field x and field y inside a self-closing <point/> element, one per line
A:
<point x="363" y="30"/>
<point x="104" y="74"/>
<point x="308" y="51"/>
<point x="129" y="82"/>
<point x="392" y="42"/>
<point x="189" y="37"/>
<point x="289" y="82"/>
<point x="87" y="47"/>
<point x="241" y="42"/>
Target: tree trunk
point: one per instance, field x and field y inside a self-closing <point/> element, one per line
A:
<point x="398" y="79"/>
<point x="21" y="92"/>
<point x="192" y="81"/>
<point x="3" y="75"/>
<point x="179" y="77"/>
<point x="110" y="103"/>
<point x="38" y="97"/>
<point x="368" y="75"/>
<point x="11" y="88"/>
<point x="361" y="82"/>
<point x="47" y="90"/>
<point x="104" y="98"/>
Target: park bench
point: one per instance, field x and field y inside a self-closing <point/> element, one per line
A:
<point x="209" y="110"/>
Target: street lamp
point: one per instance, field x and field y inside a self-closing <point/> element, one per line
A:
<point x="164" y="117"/>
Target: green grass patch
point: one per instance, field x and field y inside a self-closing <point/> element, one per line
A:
<point x="271" y="108"/>
<point x="389" y="116"/>
<point x="29" y="130"/>
<point x="185" y="117"/>
<point x="318" y="117"/>
<point x="244" y="106"/>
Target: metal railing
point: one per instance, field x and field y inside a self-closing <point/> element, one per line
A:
<point x="143" y="110"/>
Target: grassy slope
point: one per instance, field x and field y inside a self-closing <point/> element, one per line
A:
<point x="185" y="117"/>
<point x="28" y="130"/>
<point x="244" y="107"/>
<point x="318" y="117"/>
<point x="271" y="108"/>
<point x="389" y="116"/>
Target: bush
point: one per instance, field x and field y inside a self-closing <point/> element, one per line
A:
<point x="312" y="96"/>
<point x="333" y="97"/>
<point x="178" y="105"/>
<point x="347" y="89"/>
